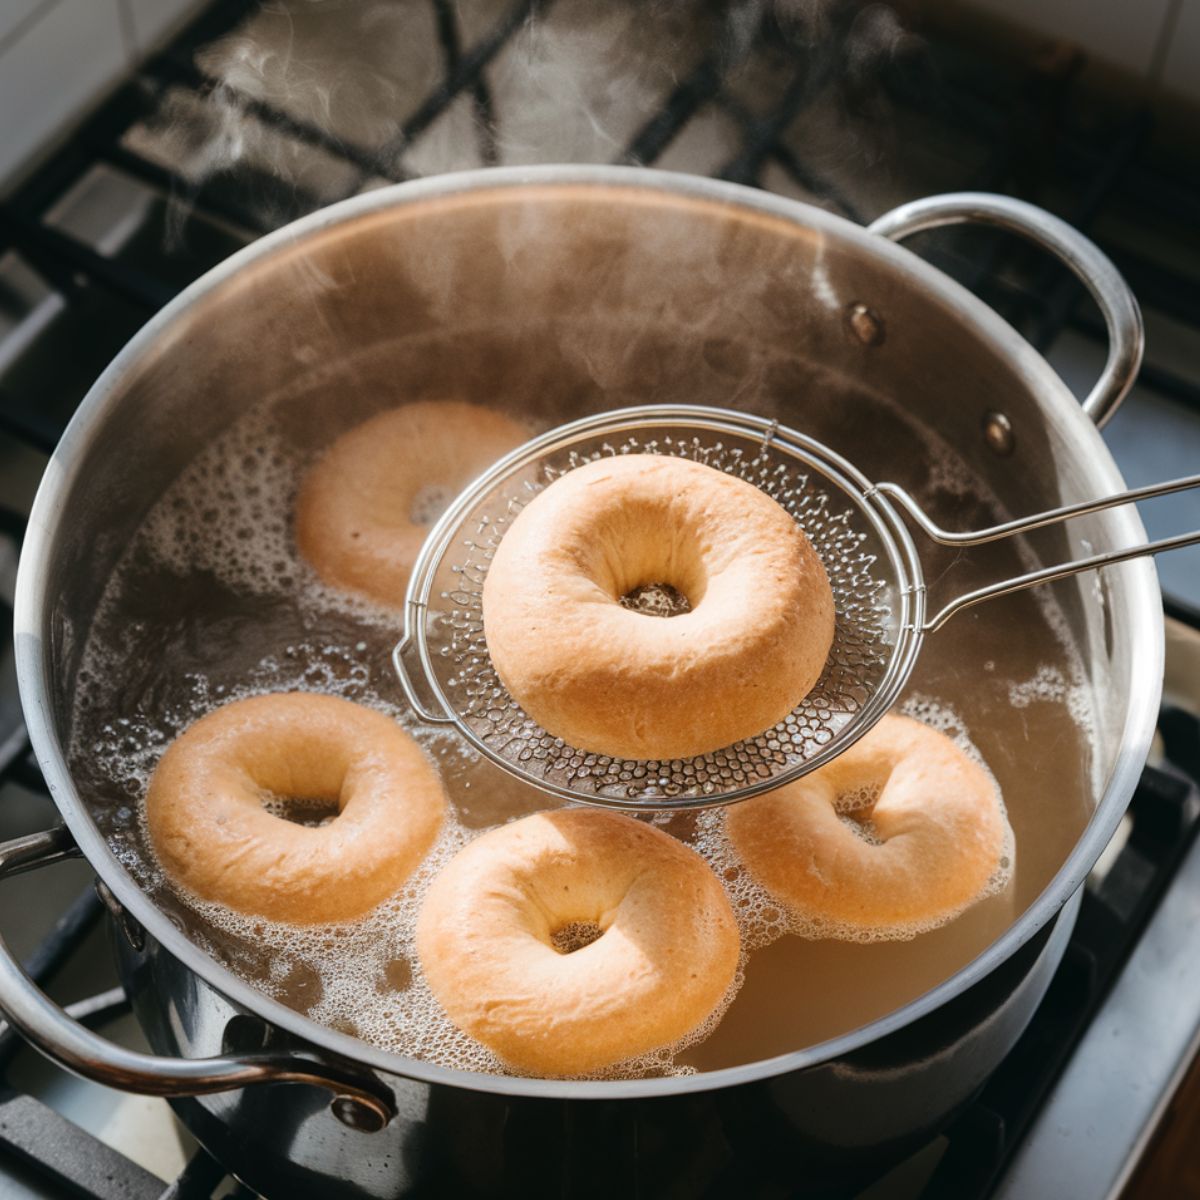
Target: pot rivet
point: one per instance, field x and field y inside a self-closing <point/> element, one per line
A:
<point x="866" y="326"/>
<point x="998" y="433"/>
<point x="354" y="1114"/>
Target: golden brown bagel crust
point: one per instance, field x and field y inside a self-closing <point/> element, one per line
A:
<point x="938" y="818"/>
<point x="613" y="681"/>
<point x="354" y="513"/>
<point x="666" y="958"/>
<point x="214" y="837"/>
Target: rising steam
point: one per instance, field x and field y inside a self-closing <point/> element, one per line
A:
<point x="360" y="86"/>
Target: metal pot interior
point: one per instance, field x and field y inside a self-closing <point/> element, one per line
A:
<point x="551" y="294"/>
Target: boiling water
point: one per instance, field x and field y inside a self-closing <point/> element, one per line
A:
<point x="211" y="602"/>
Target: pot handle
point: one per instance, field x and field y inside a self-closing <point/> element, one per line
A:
<point x="1090" y="264"/>
<point x="359" y="1099"/>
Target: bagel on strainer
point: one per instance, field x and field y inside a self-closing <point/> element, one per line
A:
<point x="613" y="681"/>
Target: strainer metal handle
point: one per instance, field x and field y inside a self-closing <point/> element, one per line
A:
<point x="1053" y="517"/>
<point x="1081" y="255"/>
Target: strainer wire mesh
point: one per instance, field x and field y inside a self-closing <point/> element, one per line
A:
<point x="868" y="554"/>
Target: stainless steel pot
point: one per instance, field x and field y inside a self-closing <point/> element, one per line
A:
<point x="607" y="253"/>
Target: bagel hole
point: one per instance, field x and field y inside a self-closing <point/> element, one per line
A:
<point x="855" y="807"/>
<point x="656" y="600"/>
<point x="429" y="503"/>
<point x="575" y="936"/>
<point x="859" y="822"/>
<point x="862" y="826"/>
<point x="311" y="811"/>
<point x="860" y="800"/>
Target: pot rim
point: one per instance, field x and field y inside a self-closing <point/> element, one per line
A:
<point x="1060" y="409"/>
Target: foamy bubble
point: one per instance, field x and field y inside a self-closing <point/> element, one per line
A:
<point x="1050" y="685"/>
<point x="1047" y="685"/>
<point x="858" y="798"/>
<point x="223" y="514"/>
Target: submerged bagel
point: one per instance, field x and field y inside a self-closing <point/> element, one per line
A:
<point x="929" y="839"/>
<point x="666" y="955"/>
<point x="365" y="508"/>
<point x="613" y="681"/>
<point x="205" y="813"/>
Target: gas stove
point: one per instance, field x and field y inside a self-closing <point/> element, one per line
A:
<point x="254" y="115"/>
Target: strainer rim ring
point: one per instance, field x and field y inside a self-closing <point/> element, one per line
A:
<point x="885" y="521"/>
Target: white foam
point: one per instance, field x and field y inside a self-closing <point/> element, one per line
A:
<point x="223" y="514"/>
<point x="1049" y="685"/>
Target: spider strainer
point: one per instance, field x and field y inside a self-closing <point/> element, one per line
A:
<point x="868" y="553"/>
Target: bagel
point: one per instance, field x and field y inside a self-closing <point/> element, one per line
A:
<point x="613" y="681"/>
<point x="665" y="955"/>
<point x="897" y="835"/>
<point x="214" y="837"/>
<point x="365" y="508"/>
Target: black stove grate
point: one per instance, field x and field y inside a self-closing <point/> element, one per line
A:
<point x="1026" y="135"/>
<point x="1016" y="130"/>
